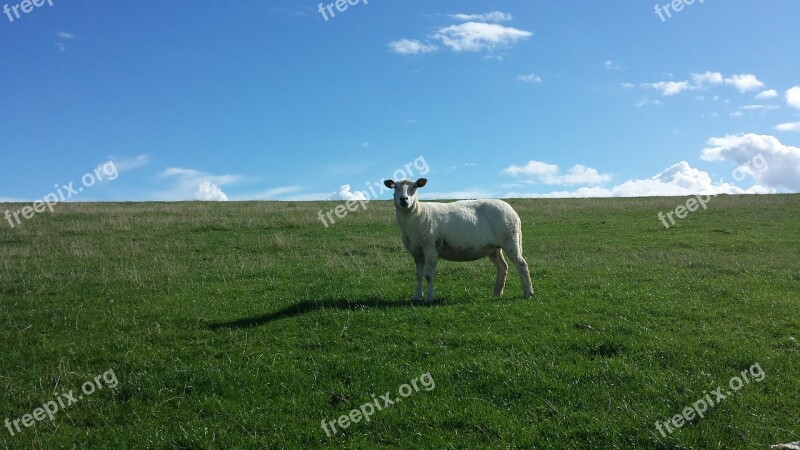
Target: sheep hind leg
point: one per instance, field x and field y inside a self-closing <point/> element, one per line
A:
<point x="502" y="271"/>
<point x="514" y="252"/>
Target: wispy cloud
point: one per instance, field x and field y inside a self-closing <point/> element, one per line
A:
<point x="494" y="16"/>
<point x="124" y="164"/>
<point x="642" y="102"/>
<point x="530" y="78"/>
<point x="668" y="88"/>
<point x="743" y="82"/>
<point x="476" y="33"/>
<point x="411" y="47"/>
<point x="764" y="95"/>
<point x="793" y="126"/>
<point x="276" y="193"/>
<point x="63" y="35"/>
<point x="477" y="36"/>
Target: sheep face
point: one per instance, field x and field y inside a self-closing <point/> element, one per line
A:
<point x="405" y="192"/>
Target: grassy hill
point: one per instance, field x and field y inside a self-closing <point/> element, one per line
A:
<point x="248" y="324"/>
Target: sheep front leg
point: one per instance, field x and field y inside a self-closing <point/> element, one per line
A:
<point x="431" y="257"/>
<point x="419" y="260"/>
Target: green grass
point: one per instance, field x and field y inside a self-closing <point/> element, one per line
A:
<point x="239" y="325"/>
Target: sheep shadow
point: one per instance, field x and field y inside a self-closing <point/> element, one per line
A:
<point x="307" y="306"/>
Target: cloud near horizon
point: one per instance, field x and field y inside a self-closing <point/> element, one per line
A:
<point x="344" y="193"/>
<point x="765" y="158"/>
<point x="678" y="180"/>
<point x="190" y="184"/>
<point x="549" y="174"/>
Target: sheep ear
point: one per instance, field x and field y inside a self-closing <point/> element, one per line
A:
<point x="422" y="182"/>
<point x="389" y="184"/>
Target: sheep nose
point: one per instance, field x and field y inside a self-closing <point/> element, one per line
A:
<point x="405" y="199"/>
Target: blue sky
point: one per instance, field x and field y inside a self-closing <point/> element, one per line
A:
<point x="269" y="100"/>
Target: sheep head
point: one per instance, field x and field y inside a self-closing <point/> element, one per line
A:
<point x="405" y="192"/>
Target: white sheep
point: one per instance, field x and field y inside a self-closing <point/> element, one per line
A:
<point x="466" y="230"/>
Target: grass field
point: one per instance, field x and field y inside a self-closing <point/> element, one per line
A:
<point x="245" y="325"/>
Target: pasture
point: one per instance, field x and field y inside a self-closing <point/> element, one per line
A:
<point x="245" y="325"/>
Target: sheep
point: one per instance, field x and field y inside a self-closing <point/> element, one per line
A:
<point x="466" y="230"/>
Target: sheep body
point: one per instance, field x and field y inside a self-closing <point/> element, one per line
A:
<point x="466" y="230"/>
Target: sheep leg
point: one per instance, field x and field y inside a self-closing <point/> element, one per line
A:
<point x="431" y="257"/>
<point x="502" y="270"/>
<point x="419" y="260"/>
<point x="515" y="254"/>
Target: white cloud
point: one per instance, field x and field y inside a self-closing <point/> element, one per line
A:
<point x="612" y="65"/>
<point x="763" y="95"/>
<point x="702" y="79"/>
<point x="531" y="78"/>
<point x="477" y="36"/>
<point x="533" y="168"/>
<point x="411" y="47"/>
<point x="192" y="184"/>
<point x="627" y="85"/>
<point x="793" y="97"/>
<point x="794" y="126"/>
<point x="344" y="193"/>
<point x="745" y="82"/>
<point x="679" y="180"/>
<point x="759" y="107"/>
<point x="65" y="35"/>
<point x="669" y="88"/>
<point x="765" y="158"/>
<point x="209" y="192"/>
<point x="542" y="172"/>
<point x="494" y="16"/>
